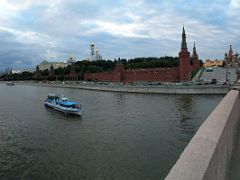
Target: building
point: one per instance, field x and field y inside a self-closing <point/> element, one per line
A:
<point x="214" y="63"/>
<point x="230" y="57"/>
<point x="184" y="60"/>
<point x="187" y="64"/>
<point x="16" y="71"/>
<point x="194" y="58"/>
<point x="98" y="57"/>
<point x="47" y="65"/>
<point x="71" y="60"/>
<point x="94" y="54"/>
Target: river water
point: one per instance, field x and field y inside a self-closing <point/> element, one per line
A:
<point x="119" y="136"/>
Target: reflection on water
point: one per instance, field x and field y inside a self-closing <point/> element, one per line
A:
<point x="186" y="108"/>
<point x="119" y="136"/>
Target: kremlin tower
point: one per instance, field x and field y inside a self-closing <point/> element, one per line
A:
<point x="194" y="58"/>
<point x="184" y="60"/>
<point x="186" y="63"/>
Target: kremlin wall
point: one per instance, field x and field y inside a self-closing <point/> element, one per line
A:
<point x="180" y="73"/>
<point x="132" y="75"/>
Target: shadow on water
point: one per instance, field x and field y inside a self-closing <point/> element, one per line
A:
<point x="185" y="105"/>
<point x="64" y="116"/>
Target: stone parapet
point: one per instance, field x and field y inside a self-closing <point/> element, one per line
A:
<point x="209" y="152"/>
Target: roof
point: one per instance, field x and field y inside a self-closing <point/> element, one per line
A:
<point x="68" y="103"/>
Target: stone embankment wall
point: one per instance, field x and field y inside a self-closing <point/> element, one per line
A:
<point x="209" y="152"/>
<point x="161" y="89"/>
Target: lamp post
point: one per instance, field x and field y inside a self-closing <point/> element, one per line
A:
<point x="226" y="72"/>
<point x="229" y="72"/>
<point x="226" y="61"/>
<point x="238" y="67"/>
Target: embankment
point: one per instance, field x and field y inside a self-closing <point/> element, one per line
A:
<point x="161" y="89"/>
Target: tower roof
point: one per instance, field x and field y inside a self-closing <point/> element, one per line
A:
<point x="195" y="55"/>
<point x="184" y="43"/>
<point x="230" y="49"/>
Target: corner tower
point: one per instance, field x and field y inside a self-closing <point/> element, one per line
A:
<point x="184" y="59"/>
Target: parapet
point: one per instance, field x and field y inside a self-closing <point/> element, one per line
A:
<point x="209" y="152"/>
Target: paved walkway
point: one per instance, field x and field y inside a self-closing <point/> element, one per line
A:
<point x="220" y="74"/>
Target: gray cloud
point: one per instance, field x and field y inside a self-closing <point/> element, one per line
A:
<point x="31" y="31"/>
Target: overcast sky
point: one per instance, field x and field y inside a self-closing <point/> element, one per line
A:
<point x="33" y="30"/>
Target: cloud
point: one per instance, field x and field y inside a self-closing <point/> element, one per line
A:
<point x="235" y="3"/>
<point x="28" y="37"/>
<point x="132" y="30"/>
<point x="31" y="31"/>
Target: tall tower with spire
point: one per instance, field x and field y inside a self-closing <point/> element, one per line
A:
<point x="184" y="60"/>
<point x="194" y="58"/>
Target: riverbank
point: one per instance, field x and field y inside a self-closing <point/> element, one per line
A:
<point x="153" y="89"/>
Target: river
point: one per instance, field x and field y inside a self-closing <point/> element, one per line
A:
<point x="119" y="136"/>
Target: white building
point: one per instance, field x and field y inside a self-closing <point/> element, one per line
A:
<point x="98" y="57"/>
<point x="47" y="65"/>
<point x="16" y="71"/>
<point x="94" y="54"/>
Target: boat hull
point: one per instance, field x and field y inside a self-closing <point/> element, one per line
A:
<point x="64" y="109"/>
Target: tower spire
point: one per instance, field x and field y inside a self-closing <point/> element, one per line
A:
<point x="230" y="53"/>
<point x="194" y="55"/>
<point x="184" y="43"/>
<point x="230" y="50"/>
<point x="194" y="48"/>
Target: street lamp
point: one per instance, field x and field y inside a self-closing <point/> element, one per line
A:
<point x="226" y="61"/>
<point x="238" y="67"/>
<point x="226" y="73"/>
<point x="229" y="72"/>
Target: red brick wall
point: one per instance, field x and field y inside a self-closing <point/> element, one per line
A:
<point x="184" y="65"/>
<point x="103" y="76"/>
<point x="157" y="74"/>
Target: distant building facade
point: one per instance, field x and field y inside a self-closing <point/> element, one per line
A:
<point x="230" y="57"/>
<point x="47" y="65"/>
<point x="213" y="63"/>
<point x="16" y="71"/>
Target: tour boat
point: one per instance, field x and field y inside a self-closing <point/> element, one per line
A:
<point x="63" y="104"/>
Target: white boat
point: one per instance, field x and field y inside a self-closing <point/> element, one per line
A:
<point x="63" y="105"/>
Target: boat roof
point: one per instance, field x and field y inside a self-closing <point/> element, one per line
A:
<point x="68" y="103"/>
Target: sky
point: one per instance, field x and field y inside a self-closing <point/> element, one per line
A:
<point x="35" y="30"/>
